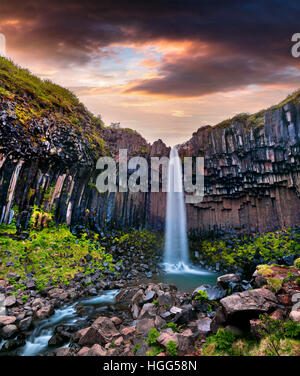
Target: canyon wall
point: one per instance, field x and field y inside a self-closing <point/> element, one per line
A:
<point x="48" y="161"/>
<point x="252" y="173"/>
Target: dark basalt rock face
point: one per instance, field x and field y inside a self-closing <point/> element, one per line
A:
<point x="252" y="172"/>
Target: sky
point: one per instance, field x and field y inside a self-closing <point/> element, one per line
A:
<point x="163" y="68"/>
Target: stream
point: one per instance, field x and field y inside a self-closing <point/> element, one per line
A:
<point x="37" y="341"/>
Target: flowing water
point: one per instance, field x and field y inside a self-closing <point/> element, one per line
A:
<point x="176" y="253"/>
<point x="37" y="342"/>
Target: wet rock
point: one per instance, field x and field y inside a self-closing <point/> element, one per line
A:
<point x="44" y="312"/>
<point x="149" y="296"/>
<point x="213" y="292"/>
<point x="223" y="280"/>
<point x="25" y="323"/>
<point x="106" y="327"/>
<point x="8" y="331"/>
<point x="288" y="260"/>
<point x="13" y="344"/>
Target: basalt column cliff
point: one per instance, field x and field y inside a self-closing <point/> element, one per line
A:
<point x="49" y="145"/>
<point x="252" y="171"/>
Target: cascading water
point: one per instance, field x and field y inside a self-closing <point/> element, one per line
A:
<point x="176" y="243"/>
<point x="176" y="254"/>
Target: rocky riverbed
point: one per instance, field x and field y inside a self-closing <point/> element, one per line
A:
<point x="146" y="318"/>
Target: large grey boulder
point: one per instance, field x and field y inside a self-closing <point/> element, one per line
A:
<point x="239" y="308"/>
<point x="257" y="301"/>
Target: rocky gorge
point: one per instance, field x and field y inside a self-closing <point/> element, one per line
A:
<point x="82" y="268"/>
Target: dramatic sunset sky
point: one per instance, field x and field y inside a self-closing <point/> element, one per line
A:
<point x="164" y="68"/>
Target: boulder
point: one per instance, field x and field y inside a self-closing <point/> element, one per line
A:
<point x="10" y="301"/>
<point x="144" y="325"/>
<point x="106" y="328"/>
<point x="213" y="292"/>
<point x="44" y="312"/>
<point x="249" y="302"/>
<point x="149" y="296"/>
<point x="92" y="336"/>
<point x="7" y="320"/>
<point x="295" y="316"/>
<point x="25" y="323"/>
<point x="9" y="331"/>
<point x="223" y="280"/>
<point x="203" y="325"/>
<point x="96" y="350"/>
<point x="126" y="332"/>
<point x="65" y="351"/>
<point x="166" y="337"/>
<point x="78" y="335"/>
<point x="185" y="342"/>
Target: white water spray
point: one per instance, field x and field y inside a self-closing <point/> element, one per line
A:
<point x="176" y="243"/>
<point x="176" y="255"/>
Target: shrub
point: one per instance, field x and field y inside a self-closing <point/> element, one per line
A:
<point x="172" y="348"/>
<point x="223" y="339"/>
<point x="202" y="296"/>
<point x="171" y="325"/>
<point x="153" y="335"/>
<point x="297" y="263"/>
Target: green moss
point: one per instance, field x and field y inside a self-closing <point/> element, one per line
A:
<point x="172" y="348"/>
<point x="297" y="263"/>
<point x="274" y="284"/>
<point x="152" y="336"/>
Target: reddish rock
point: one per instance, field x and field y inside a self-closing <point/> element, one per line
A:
<point x="7" y="320"/>
<point x="44" y="312"/>
<point x="83" y="352"/>
<point x="91" y="337"/>
<point x="96" y="350"/>
<point x="129" y="330"/>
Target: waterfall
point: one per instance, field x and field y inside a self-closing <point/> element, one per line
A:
<point x="176" y="243"/>
<point x="176" y="253"/>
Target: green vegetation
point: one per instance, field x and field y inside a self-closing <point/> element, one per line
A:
<point x="136" y="347"/>
<point x="274" y="284"/>
<point x="152" y="336"/>
<point x="257" y="119"/>
<point x="297" y="263"/>
<point x="202" y="296"/>
<point x="171" y="325"/>
<point x="172" y="348"/>
<point x="276" y="338"/>
<point x="240" y="251"/>
<point x="34" y="98"/>
<point x="276" y="331"/>
<point x="50" y="255"/>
